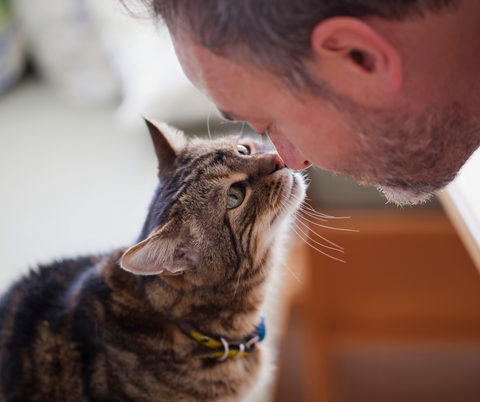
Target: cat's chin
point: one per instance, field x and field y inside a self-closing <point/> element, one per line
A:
<point x="298" y="191"/>
<point x="293" y="197"/>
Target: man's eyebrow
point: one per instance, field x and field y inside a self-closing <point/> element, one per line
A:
<point x="229" y="115"/>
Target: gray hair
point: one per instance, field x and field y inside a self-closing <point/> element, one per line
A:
<point x="275" y="35"/>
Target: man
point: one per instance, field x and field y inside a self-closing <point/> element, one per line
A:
<point x="386" y="91"/>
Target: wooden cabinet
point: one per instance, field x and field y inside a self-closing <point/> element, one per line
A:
<point x="407" y="284"/>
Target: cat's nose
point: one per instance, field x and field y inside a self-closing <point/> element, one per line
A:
<point x="276" y="163"/>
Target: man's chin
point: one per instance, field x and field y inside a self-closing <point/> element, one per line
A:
<point x="405" y="196"/>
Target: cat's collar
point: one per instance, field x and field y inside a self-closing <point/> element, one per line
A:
<point x="220" y="348"/>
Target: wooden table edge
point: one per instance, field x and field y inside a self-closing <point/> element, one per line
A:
<point x="463" y="219"/>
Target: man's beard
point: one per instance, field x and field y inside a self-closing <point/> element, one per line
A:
<point x="411" y="158"/>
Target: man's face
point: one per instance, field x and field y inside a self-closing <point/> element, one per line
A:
<point x="404" y="154"/>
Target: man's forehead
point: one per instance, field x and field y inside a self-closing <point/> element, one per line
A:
<point x="240" y="92"/>
<point x="200" y="65"/>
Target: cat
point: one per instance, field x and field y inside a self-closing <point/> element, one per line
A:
<point x="174" y="317"/>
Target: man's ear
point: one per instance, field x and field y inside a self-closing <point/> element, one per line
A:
<point x="354" y="58"/>
<point x="161" y="253"/>
<point x="168" y="142"/>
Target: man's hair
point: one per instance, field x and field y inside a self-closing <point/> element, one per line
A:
<point x="275" y="35"/>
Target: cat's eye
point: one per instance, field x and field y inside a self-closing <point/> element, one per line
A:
<point x="236" y="195"/>
<point x="243" y="150"/>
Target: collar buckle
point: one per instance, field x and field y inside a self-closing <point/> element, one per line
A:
<point x="221" y="349"/>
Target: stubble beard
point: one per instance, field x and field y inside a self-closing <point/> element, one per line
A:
<point x="411" y="158"/>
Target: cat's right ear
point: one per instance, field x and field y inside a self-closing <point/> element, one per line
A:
<point x="168" y="142"/>
<point x="167" y="251"/>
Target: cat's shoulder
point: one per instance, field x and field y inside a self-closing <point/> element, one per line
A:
<point x="44" y="284"/>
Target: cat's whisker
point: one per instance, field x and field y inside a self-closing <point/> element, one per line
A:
<point x="270" y="219"/>
<point x="236" y="286"/>
<point x="329" y="227"/>
<point x="313" y="216"/>
<point x="320" y="251"/>
<point x="208" y="122"/>
<point x="321" y="237"/>
<point x="304" y="211"/>
<point x="314" y="212"/>
<point x="289" y="270"/>
<point x="335" y="248"/>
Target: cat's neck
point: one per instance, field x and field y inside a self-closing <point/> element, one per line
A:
<point x="230" y="310"/>
<point x="226" y="312"/>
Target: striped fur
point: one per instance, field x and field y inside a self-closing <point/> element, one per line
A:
<point x="88" y="330"/>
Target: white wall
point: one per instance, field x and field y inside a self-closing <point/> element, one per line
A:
<point x="70" y="184"/>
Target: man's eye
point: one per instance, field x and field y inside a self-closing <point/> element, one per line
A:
<point x="243" y="150"/>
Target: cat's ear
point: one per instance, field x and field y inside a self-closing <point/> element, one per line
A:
<point x="161" y="253"/>
<point x="168" y="142"/>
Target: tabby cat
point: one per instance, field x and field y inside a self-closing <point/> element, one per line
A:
<point x="176" y="316"/>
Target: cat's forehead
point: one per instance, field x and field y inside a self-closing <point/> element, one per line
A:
<point x="230" y="142"/>
<point x="223" y="156"/>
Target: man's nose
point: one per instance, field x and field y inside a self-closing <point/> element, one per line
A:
<point x="292" y="157"/>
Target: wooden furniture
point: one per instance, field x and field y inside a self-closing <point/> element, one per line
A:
<point x="407" y="282"/>
<point x="461" y="201"/>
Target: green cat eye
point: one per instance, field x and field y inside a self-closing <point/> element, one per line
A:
<point x="236" y="195"/>
<point x="243" y="150"/>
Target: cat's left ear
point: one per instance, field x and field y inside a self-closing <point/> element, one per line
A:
<point x="168" y="142"/>
<point x="161" y="253"/>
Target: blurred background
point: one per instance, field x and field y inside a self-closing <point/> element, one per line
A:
<point x="399" y="320"/>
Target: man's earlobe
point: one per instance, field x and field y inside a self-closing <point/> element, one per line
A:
<point x="352" y="48"/>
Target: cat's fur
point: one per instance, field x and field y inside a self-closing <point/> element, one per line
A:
<point x="88" y="330"/>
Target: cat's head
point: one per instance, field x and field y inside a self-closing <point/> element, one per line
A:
<point x="217" y="211"/>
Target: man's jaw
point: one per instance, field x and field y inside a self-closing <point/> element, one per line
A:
<point x="406" y="194"/>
